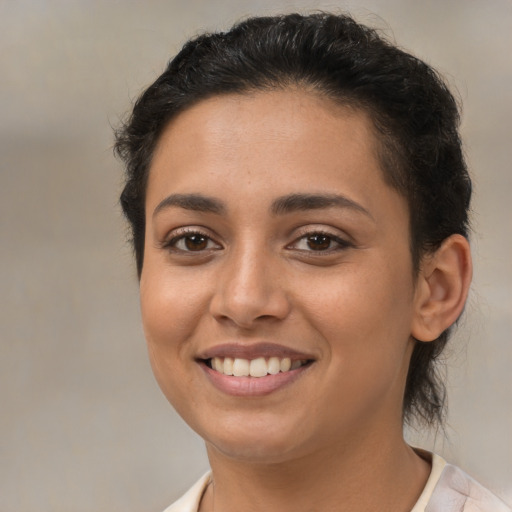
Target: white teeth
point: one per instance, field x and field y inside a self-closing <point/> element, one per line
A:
<point x="274" y="365"/>
<point x="217" y="364"/>
<point x="286" y="364"/>
<point x="259" y="367"/>
<point x="241" y="367"/>
<point x="228" y="366"/>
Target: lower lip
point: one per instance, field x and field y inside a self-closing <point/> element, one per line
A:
<point x="252" y="386"/>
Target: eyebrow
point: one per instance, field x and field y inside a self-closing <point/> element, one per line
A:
<point x="280" y="206"/>
<point x="195" y="202"/>
<point x="303" y="202"/>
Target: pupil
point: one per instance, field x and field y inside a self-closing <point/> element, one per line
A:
<point x="195" y="242"/>
<point x="319" y="242"/>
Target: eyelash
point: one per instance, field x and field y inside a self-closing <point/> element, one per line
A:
<point x="340" y="243"/>
<point x="188" y="233"/>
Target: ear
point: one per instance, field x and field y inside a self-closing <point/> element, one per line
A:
<point x="442" y="288"/>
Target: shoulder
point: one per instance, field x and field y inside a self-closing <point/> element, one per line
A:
<point x="189" y="502"/>
<point x="458" y="492"/>
<point x="449" y="489"/>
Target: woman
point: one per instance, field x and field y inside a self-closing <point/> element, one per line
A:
<point x="299" y="207"/>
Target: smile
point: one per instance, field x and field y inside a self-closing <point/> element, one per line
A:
<point x="259" y="367"/>
<point x="253" y="370"/>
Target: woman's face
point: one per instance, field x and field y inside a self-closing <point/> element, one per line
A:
<point x="272" y="239"/>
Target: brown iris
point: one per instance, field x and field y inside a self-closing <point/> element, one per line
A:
<point x="319" y="242"/>
<point x="196" y="242"/>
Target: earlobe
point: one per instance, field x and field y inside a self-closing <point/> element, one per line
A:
<point x="442" y="288"/>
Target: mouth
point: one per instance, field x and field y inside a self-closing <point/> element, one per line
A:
<point x="257" y="368"/>
<point x="253" y="370"/>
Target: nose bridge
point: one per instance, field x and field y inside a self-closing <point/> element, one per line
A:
<point x="250" y="288"/>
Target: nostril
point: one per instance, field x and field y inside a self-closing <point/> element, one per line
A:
<point x="248" y="312"/>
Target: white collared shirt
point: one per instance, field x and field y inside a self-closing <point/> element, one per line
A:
<point x="448" y="489"/>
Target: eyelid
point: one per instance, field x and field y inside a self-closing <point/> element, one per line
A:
<point x="178" y="233"/>
<point x="343" y="241"/>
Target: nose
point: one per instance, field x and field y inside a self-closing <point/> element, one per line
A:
<point x="250" y="290"/>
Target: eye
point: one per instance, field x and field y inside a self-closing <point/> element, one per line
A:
<point x="320" y="242"/>
<point x="192" y="241"/>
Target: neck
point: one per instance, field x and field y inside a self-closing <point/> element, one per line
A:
<point x="370" y="474"/>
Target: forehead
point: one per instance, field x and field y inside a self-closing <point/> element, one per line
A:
<point x="292" y="140"/>
<point x="280" y="112"/>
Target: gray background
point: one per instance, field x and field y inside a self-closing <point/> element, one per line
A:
<point x="83" y="426"/>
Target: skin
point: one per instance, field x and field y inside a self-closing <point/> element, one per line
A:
<point x="348" y="300"/>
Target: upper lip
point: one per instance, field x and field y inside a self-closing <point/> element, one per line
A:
<point x="253" y="351"/>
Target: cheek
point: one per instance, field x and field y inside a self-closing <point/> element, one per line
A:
<point x="363" y="309"/>
<point x="170" y="316"/>
<point x="364" y="322"/>
<point x="171" y="305"/>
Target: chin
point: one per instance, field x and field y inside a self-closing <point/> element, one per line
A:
<point x="257" y="451"/>
<point x="250" y="439"/>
